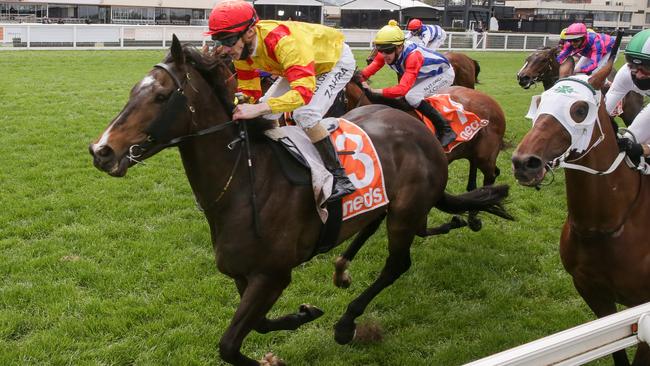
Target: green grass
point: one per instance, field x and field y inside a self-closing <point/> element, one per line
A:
<point x="103" y="271"/>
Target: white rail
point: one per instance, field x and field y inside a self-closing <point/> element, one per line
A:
<point x="122" y="36"/>
<point x="581" y="344"/>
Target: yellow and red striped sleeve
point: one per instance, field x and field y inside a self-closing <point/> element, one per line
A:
<point x="248" y="79"/>
<point x="298" y="64"/>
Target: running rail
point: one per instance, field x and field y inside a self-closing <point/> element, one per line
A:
<point x="581" y="344"/>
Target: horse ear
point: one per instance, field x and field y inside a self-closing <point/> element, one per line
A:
<point x="177" y="51"/>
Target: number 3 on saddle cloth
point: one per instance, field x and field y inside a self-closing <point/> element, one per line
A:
<point x="298" y="156"/>
<point x="465" y="123"/>
<point x="357" y="155"/>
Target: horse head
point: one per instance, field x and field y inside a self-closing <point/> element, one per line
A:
<point x="163" y="108"/>
<point x="566" y="126"/>
<point x="538" y="65"/>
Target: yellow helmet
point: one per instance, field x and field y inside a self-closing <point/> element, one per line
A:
<point x="390" y="34"/>
<point x="563" y="34"/>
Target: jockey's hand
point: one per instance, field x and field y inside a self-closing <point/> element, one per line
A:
<point x="632" y="149"/>
<point x="249" y="111"/>
<point x="365" y="85"/>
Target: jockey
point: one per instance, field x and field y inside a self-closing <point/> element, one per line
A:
<point x="312" y="62"/>
<point x="593" y="47"/>
<point x="427" y="36"/>
<point x="634" y="76"/>
<point x="423" y="73"/>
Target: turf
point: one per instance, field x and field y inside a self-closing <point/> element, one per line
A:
<point x="102" y="271"/>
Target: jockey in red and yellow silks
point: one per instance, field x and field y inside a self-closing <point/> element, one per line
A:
<point x="281" y="51"/>
<point x="312" y="63"/>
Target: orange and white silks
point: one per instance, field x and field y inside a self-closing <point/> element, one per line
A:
<point x="362" y="166"/>
<point x="465" y="123"/>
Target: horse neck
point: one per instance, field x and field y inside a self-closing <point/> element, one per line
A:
<point x="207" y="161"/>
<point x="600" y="203"/>
<point x="551" y="75"/>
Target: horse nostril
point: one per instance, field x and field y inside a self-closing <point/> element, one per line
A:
<point x="533" y="163"/>
<point x="104" y="151"/>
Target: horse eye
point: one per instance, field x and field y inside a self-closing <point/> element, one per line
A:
<point x="161" y="97"/>
<point x="579" y="111"/>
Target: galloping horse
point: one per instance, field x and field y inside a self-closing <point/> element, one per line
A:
<point x="481" y="151"/>
<point x="541" y="65"/>
<point x="465" y="67"/>
<point x="604" y="242"/>
<point x="184" y="101"/>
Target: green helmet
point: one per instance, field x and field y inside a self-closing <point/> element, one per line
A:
<point x="638" y="50"/>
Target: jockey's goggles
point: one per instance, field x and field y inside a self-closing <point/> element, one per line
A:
<point x="227" y="39"/>
<point x="637" y="63"/>
<point x="386" y="48"/>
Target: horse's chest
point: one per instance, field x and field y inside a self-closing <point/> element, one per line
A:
<point x="614" y="267"/>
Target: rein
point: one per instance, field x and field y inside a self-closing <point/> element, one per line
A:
<point x="160" y="126"/>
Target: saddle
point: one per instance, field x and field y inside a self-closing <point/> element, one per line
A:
<point x="466" y="124"/>
<point x="295" y="167"/>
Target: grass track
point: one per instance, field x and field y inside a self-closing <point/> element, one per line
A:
<point x="102" y="271"/>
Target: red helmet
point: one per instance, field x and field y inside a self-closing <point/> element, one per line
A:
<point x="231" y="16"/>
<point x="576" y="31"/>
<point x="414" y="24"/>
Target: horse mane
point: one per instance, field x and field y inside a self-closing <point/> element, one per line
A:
<point x="215" y="70"/>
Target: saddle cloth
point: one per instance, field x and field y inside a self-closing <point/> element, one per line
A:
<point x="358" y="157"/>
<point x="465" y="123"/>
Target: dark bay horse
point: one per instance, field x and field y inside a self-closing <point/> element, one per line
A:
<point x="541" y="65"/>
<point x="184" y="101"/>
<point x="604" y="242"/>
<point x="465" y="67"/>
<point x="481" y="151"/>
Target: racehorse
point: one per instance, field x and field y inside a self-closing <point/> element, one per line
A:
<point x="261" y="228"/>
<point x="465" y="67"/>
<point x="604" y="241"/>
<point x="541" y="65"/>
<point x="481" y="151"/>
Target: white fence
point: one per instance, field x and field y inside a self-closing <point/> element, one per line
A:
<point x="117" y="36"/>
<point x="582" y="344"/>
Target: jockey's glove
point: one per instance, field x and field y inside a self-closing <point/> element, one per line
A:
<point x="633" y="149"/>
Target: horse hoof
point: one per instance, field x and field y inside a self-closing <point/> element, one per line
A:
<point x="342" y="280"/>
<point x="474" y="223"/>
<point x="344" y="335"/>
<point x="311" y="311"/>
<point x="271" y="360"/>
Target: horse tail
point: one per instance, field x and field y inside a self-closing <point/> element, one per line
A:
<point x="477" y="69"/>
<point x="488" y="199"/>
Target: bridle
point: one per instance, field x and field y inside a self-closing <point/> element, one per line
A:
<point x="545" y="70"/>
<point x="159" y="129"/>
<point x="157" y="137"/>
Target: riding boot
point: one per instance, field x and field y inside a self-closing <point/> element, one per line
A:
<point x="444" y="132"/>
<point x="321" y="140"/>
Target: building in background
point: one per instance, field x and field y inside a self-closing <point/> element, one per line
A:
<point x="550" y="16"/>
<point x="166" y="12"/>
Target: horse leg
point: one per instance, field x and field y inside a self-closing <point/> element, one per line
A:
<point x="306" y="313"/>
<point x="488" y="167"/>
<point x="258" y="294"/>
<point x="342" y="278"/>
<point x="602" y="305"/>
<point x="400" y="237"/>
<point x="642" y="356"/>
